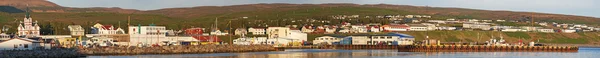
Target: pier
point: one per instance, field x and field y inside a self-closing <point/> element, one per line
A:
<point x="485" y="48"/>
<point x="446" y="48"/>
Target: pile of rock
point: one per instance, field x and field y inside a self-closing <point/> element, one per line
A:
<point x="41" y="53"/>
<point x="175" y="49"/>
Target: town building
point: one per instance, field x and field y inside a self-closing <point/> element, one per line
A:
<point x="374" y="28"/>
<point x="284" y="35"/>
<point x="379" y="39"/>
<point x="240" y="31"/>
<point x="147" y="35"/>
<point x="257" y="31"/>
<point x="76" y="30"/>
<point x="4" y="36"/>
<point x="421" y="27"/>
<point x="27" y="27"/>
<point x="330" y="29"/>
<point x="19" y="44"/>
<point x="546" y="30"/>
<point x="218" y="32"/>
<point x="107" y="29"/>
<point x="477" y="25"/>
<point x="359" y="29"/>
<point x="327" y="40"/>
<point x="395" y="27"/>
<point x="307" y="29"/>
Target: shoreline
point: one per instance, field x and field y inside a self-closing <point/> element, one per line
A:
<point x="201" y="49"/>
<point x="578" y="45"/>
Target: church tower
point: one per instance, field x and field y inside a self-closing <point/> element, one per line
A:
<point x="27" y="27"/>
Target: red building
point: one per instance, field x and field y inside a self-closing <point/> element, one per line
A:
<point x="196" y="33"/>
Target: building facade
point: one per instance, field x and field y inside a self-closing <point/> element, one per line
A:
<point x="146" y="35"/>
<point x="27" y="27"/>
<point x="76" y="30"/>
<point x="19" y="44"/>
<point x="257" y="31"/>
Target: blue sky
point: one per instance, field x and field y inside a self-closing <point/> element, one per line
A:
<point x="569" y="7"/>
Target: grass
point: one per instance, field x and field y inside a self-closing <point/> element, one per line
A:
<point x="565" y="41"/>
<point x="523" y="35"/>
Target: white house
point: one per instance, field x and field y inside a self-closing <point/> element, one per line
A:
<point x="358" y="29"/>
<point x="418" y="27"/>
<point x="257" y="31"/>
<point x="308" y="29"/>
<point x="108" y="29"/>
<point x="437" y="21"/>
<point x="375" y="28"/>
<point x="568" y="30"/>
<point x="146" y="35"/>
<point x="546" y="30"/>
<point x="330" y="29"/>
<point x="76" y="30"/>
<point x="4" y="36"/>
<point x="218" y="32"/>
<point x="446" y="28"/>
<point x="19" y="44"/>
<point x="344" y="30"/>
<point x="241" y="31"/>
<point x="326" y="40"/>
<point x="511" y="30"/>
<point x="27" y="27"/>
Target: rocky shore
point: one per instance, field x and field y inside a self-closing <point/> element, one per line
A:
<point x="175" y="49"/>
<point x="42" y="53"/>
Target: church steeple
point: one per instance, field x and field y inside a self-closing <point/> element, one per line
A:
<point x="27" y="15"/>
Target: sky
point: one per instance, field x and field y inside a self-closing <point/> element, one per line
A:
<point x="569" y="7"/>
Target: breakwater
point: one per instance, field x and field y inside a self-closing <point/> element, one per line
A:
<point x="41" y="53"/>
<point x="175" y="49"/>
<point x="485" y="48"/>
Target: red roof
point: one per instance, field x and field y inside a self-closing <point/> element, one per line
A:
<point x="194" y="31"/>
<point x="207" y="38"/>
<point x="108" y="27"/>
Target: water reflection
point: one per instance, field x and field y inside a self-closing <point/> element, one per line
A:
<point x="327" y="53"/>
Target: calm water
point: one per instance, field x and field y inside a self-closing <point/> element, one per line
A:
<point x="327" y="53"/>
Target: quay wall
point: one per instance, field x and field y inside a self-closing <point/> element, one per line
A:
<point x="484" y="48"/>
<point x="41" y="53"/>
<point x="175" y="49"/>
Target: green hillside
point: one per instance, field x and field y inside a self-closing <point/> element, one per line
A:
<point x="284" y="16"/>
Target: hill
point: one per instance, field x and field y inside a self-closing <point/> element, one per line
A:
<point x="277" y="14"/>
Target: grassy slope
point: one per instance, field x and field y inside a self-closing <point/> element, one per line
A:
<point x="267" y="16"/>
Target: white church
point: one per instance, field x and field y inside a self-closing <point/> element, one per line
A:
<point x="28" y="28"/>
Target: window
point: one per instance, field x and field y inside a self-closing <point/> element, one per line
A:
<point x="15" y="46"/>
<point x="26" y="46"/>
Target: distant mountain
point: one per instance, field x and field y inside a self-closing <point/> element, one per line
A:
<point x="28" y="3"/>
<point x="10" y="9"/>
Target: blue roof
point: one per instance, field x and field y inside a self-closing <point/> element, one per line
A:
<point x="388" y="34"/>
<point x="401" y="35"/>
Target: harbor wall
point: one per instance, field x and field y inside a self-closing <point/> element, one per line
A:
<point x="41" y="53"/>
<point x="485" y="48"/>
<point x="175" y="49"/>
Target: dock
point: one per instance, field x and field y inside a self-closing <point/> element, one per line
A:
<point x="445" y="48"/>
<point x="485" y="48"/>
